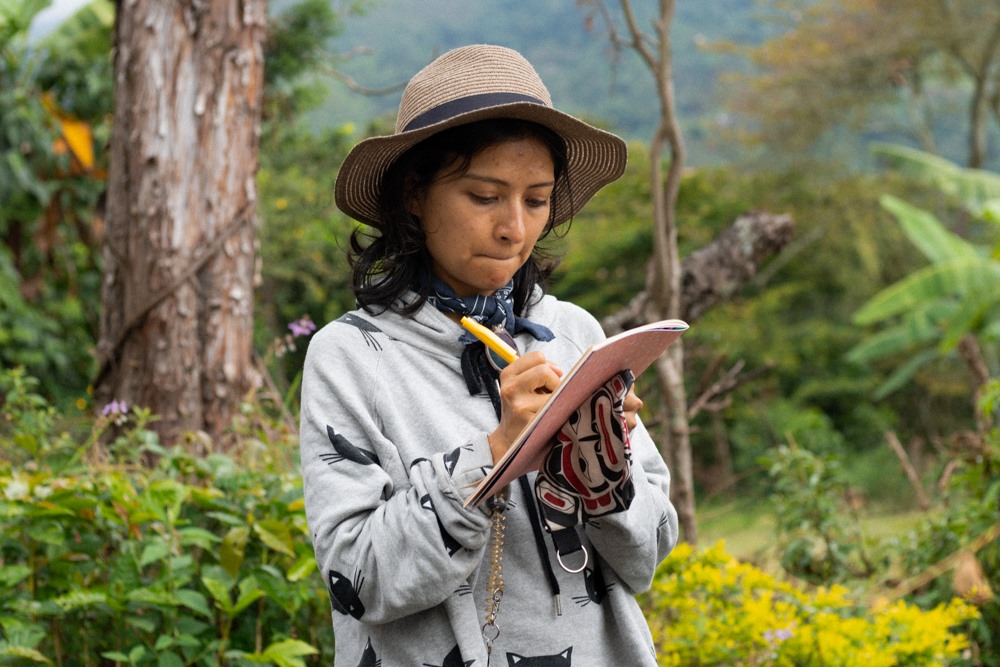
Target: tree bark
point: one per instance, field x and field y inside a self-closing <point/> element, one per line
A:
<point x="663" y="282"/>
<point x="715" y="273"/>
<point x="179" y="254"/>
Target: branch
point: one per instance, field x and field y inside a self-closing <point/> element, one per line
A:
<point x="729" y="381"/>
<point x="638" y="38"/>
<point x="718" y="271"/>
<point x="911" y="472"/>
<point x="969" y="350"/>
<point x="918" y="581"/>
<point x="356" y="87"/>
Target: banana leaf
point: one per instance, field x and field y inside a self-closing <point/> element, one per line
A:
<point x="977" y="190"/>
<point x="905" y="373"/>
<point x="916" y="330"/>
<point x="924" y="231"/>
<point x="954" y="279"/>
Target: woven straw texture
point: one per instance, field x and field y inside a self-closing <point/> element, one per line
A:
<point x="595" y="157"/>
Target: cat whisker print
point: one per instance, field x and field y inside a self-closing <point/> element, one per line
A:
<point x="343" y="449"/>
<point x="345" y="593"/>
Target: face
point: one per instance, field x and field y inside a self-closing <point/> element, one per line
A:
<point x="482" y="224"/>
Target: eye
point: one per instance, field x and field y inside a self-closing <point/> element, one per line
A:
<point x="482" y="199"/>
<point x="536" y="202"/>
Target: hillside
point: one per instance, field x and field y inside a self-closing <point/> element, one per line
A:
<point x="396" y="37"/>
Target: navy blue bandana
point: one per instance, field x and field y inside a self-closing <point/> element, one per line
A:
<point x="493" y="311"/>
<point x="490" y="311"/>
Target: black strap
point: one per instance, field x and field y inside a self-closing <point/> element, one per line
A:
<point x="566" y="541"/>
<point x="536" y="526"/>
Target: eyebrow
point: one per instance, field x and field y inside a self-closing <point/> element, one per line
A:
<point x="500" y="181"/>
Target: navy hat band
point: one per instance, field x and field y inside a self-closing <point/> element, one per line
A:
<point x="463" y="105"/>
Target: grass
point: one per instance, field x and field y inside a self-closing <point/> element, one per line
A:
<point x="748" y="529"/>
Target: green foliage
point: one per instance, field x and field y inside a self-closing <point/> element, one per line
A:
<point x="75" y="67"/>
<point x="49" y="262"/>
<point x="819" y="536"/>
<point x="977" y="189"/>
<point x="706" y="608"/>
<point x="617" y="222"/>
<point x="971" y="506"/>
<point x="819" y="539"/>
<point x="925" y="314"/>
<point x="303" y="240"/>
<point x="195" y="560"/>
<point x="293" y="59"/>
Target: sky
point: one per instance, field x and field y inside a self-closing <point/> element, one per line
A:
<point x="50" y="17"/>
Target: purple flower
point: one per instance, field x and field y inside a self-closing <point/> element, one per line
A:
<point x="302" y="327"/>
<point x="778" y="636"/>
<point x="115" y="408"/>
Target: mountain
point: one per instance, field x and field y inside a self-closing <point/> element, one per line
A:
<point x="395" y="38"/>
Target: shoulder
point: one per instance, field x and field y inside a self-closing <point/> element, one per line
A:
<point x="567" y="319"/>
<point x="352" y="338"/>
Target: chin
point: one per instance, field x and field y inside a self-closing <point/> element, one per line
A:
<point x="498" y="283"/>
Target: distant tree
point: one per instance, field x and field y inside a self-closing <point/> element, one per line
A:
<point x="180" y="249"/>
<point x="664" y="278"/>
<point x="676" y="289"/>
<point x="877" y="65"/>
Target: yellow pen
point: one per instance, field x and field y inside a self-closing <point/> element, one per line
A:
<point x="492" y="341"/>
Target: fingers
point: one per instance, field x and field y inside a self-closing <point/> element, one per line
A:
<point x="525" y="385"/>
<point x="631" y="405"/>
<point x="531" y="372"/>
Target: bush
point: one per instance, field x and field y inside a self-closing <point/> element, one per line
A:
<point x="706" y="608"/>
<point x="191" y="561"/>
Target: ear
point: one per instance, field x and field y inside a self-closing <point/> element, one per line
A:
<point x="411" y="196"/>
<point x="413" y="206"/>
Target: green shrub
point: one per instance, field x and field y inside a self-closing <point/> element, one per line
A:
<point x="190" y="561"/>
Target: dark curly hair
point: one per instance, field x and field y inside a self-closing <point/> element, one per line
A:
<point x="388" y="262"/>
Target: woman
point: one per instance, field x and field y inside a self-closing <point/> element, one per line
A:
<point x="403" y="413"/>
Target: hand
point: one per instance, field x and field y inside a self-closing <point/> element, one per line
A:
<point x="524" y="387"/>
<point x="588" y="471"/>
<point x="631" y="406"/>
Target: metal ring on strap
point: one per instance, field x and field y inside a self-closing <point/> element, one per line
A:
<point x="586" y="559"/>
<point x="490" y="631"/>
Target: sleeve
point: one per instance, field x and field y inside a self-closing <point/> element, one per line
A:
<point x="634" y="542"/>
<point x="385" y="549"/>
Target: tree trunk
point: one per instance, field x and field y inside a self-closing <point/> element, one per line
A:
<point x="663" y="283"/>
<point x="179" y="254"/>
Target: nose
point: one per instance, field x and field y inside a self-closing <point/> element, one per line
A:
<point x="510" y="227"/>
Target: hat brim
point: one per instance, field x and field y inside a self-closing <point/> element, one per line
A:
<point x="594" y="159"/>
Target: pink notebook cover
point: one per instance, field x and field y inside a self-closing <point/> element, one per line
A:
<point x="634" y="349"/>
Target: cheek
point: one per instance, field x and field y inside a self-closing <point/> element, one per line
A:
<point x="536" y="232"/>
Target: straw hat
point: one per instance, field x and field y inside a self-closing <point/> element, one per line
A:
<point x="470" y="84"/>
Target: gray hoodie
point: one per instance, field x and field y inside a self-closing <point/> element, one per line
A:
<point x="391" y="445"/>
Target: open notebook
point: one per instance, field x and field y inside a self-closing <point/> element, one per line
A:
<point x="634" y="350"/>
